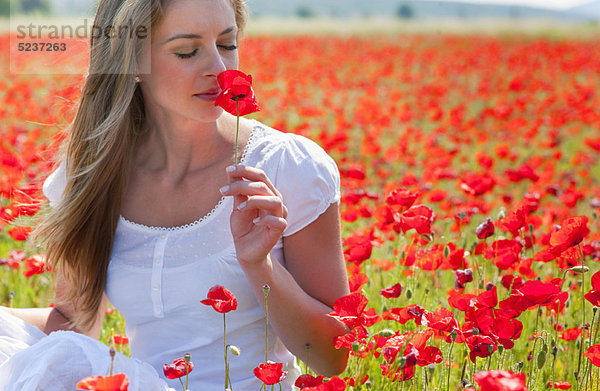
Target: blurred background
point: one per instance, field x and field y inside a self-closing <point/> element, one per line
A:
<point x="559" y="10"/>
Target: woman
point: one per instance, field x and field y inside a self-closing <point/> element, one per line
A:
<point x="149" y="212"/>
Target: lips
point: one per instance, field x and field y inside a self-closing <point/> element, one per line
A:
<point x="211" y="94"/>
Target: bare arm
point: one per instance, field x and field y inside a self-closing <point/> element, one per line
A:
<point x="301" y="296"/>
<point x="58" y="317"/>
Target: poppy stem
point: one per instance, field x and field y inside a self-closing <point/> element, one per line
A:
<point x="227" y="381"/>
<point x="537" y="318"/>
<point x="579" y="377"/>
<point x="182" y="385"/>
<point x="266" y="290"/>
<point x="237" y="130"/>
<point x="449" y="365"/>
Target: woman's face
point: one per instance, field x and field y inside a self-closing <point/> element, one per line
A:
<point x="192" y="44"/>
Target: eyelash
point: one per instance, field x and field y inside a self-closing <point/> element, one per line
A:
<point x="193" y="53"/>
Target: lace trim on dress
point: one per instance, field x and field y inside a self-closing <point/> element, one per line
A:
<point x="247" y="149"/>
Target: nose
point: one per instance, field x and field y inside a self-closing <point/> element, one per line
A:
<point x="215" y="63"/>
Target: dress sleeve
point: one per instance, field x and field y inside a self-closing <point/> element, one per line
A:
<point x="54" y="185"/>
<point x="308" y="180"/>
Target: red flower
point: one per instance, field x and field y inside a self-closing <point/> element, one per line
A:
<point x="356" y="281"/>
<point x="120" y="339"/>
<point x="236" y="88"/>
<point x="593" y="354"/>
<point x="571" y="233"/>
<point x="441" y="319"/>
<point x="177" y="369"/>
<point x="116" y="382"/>
<point x="402" y="197"/>
<point x="35" y="264"/>
<point x="538" y="292"/>
<point x="392" y="291"/>
<point x="306" y="380"/>
<point x="350" y="310"/>
<point x="485" y="229"/>
<point x="334" y="384"/>
<point x="418" y="217"/>
<point x="221" y="299"/>
<point x="476" y="184"/>
<point x="499" y="380"/>
<point x="560" y="385"/>
<point x="20" y="233"/>
<point x="270" y="373"/>
<point x="462" y="277"/>
<point x="480" y="346"/>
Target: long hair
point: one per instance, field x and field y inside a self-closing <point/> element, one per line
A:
<point x="78" y="233"/>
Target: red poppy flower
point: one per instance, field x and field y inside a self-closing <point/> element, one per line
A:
<point x="418" y="217"/>
<point x="499" y="380"/>
<point x="401" y="197"/>
<point x="221" y="299"/>
<point x="570" y="334"/>
<point x="334" y="384"/>
<point x="356" y="281"/>
<point x="357" y="334"/>
<point x="480" y="346"/>
<point x="403" y="315"/>
<point x="120" y="339"/>
<point x="560" y="385"/>
<point x="118" y="382"/>
<point x="306" y="380"/>
<point x="538" y="292"/>
<point x="20" y="233"/>
<point x="571" y="233"/>
<point x="35" y="264"/>
<point x="593" y="354"/>
<point x="358" y="247"/>
<point x="236" y="88"/>
<point x="514" y="221"/>
<point x="462" y="277"/>
<point x="485" y="229"/>
<point x="476" y="184"/>
<point x="177" y="369"/>
<point x="350" y="310"/>
<point x="270" y="373"/>
<point x="504" y="252"/>
<point x="392" y="291"/>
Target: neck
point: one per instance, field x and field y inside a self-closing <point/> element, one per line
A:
<point x="177" y="149"/>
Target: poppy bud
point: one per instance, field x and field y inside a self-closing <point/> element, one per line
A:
<point x="402" y="361"/>
<point x="453" y="334"/>
<point x="594" y="309"/>
<point x="475" y="331"/>
<point x="446" y="252"/>
<point x="355" y="347"/>
<point x="579" y="269"/>
<point x="490" y="348"/>
<point x="489" y="286"/>
<point x="501" y="214"/>
<point x="409" y="294"/>
<point x="367" y="385"/>
<point x="500" y="349"/>
<point x="541" y="359"/>
<point x="519" y="366"/>
<point x="187" y="357"/>
<point x="576" y="373"/>
<point x="431" y="369"/>
<point x="554" y="351"/>
<point x="234" y="350"/>
<point x="112" y="352"/>
<point x="386" y="333"/>
<point x="266" y="289"/>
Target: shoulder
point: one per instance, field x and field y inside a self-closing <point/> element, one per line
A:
<point x="305" y="175"/>
<point x="288" y="150"/>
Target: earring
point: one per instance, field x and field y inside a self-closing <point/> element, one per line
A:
<point x="138" y="79"/>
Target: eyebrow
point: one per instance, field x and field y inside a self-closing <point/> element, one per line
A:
<point x="197" y="36"/>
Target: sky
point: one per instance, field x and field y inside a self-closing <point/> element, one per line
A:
<point x="554" y="4"/>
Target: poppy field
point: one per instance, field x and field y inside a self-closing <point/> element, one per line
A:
<point x="470" y="169"/>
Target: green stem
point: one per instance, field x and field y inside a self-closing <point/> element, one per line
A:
<point x="266" y="326"/>
<point x="537" y="318"/>
<point x="582" y="318"/>
<point x="182" y="386"/>
<point x="227" y="381"/>
<point x="449" y="365"/>
<point x="237" y="130"/>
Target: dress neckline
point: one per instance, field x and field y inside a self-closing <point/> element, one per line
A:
<point x="207" y="216"/>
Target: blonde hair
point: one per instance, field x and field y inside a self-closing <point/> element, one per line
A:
<point x="78" y="234"/>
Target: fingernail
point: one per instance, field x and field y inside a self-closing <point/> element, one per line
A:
<point x="242" y="205"/>
<point x="256" y="220"/>
<point x="230" y="169"/>
<point x="224" y="189"/>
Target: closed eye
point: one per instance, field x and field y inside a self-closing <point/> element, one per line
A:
<point x="187" y="55"/>
<point x="231" y="47"/>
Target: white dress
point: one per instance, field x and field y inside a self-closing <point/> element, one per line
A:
<point x="157" y="276"/>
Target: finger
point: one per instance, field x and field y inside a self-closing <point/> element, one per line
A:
<point x="272" y="204"/>
<point x="251" y="174"/>
<point x="272" y="222"/>
<point x="247" y="188"/>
